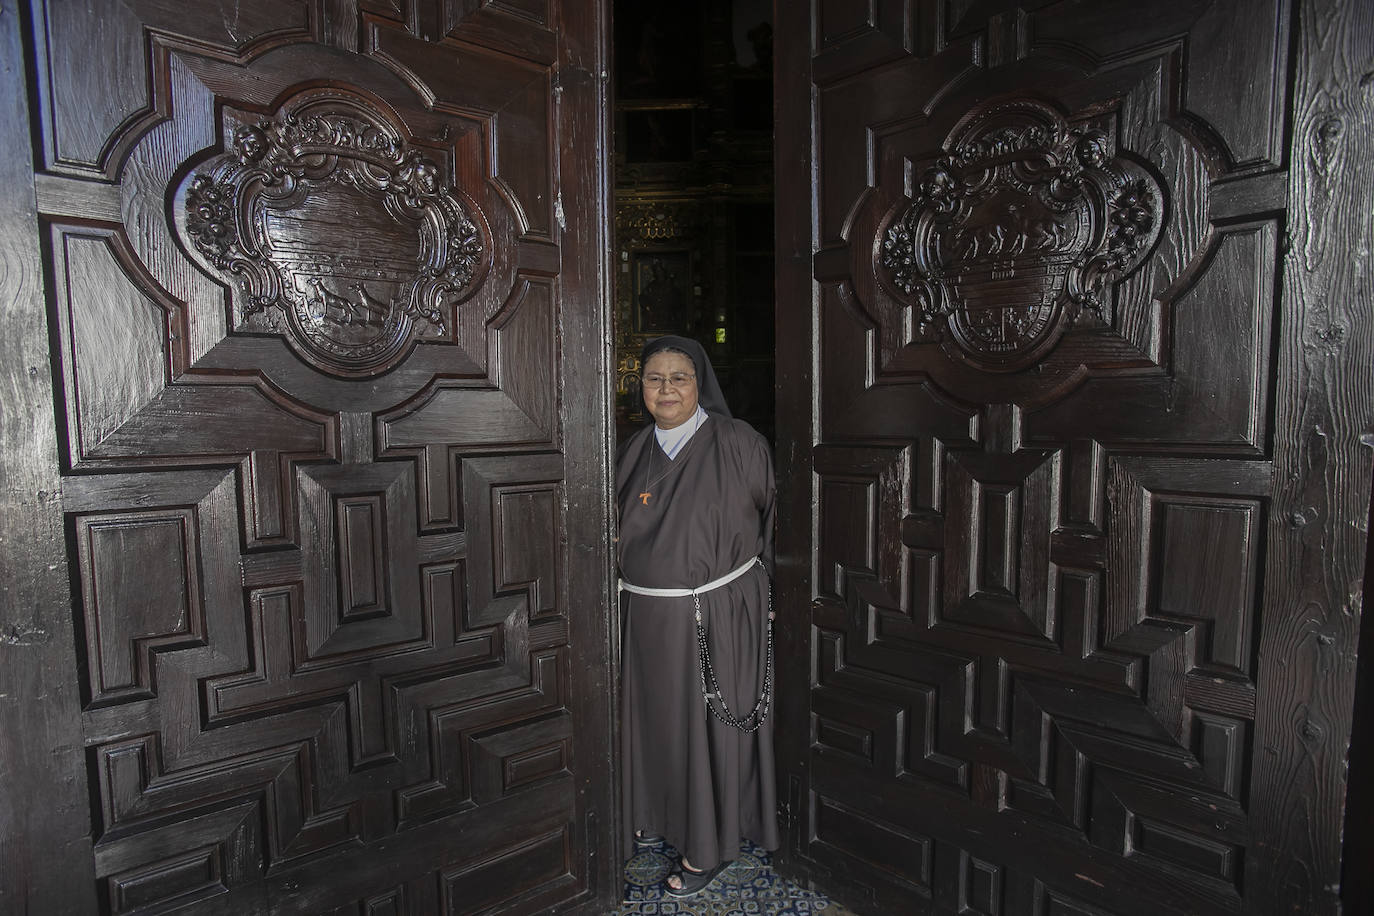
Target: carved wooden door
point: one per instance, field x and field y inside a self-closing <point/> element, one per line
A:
<point x="1074" y="369"/>
<point x="306" y="567"/>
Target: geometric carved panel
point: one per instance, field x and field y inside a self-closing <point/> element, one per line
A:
<point x="1205" y="569"/>
<point x="358" y="523"/>
<point x="1054" y="902"/>
<point x="305" y="277"/>
<point x="902" y="854"/>
<point x="1211" y="859"/>
<point x="1194" y="555"/>
<point x="525" y="517"/>
<point x="499" y="876"/>
<point x="507" y="759"/>
<point x="361" y="537"/>
<point x="1068" y="223"/>
<point x="136" y="607"/>
<point x="183" y="878"/>
<point x="994" y="691"/>
<point x="846" y="537"/>
<point x="849" y="36"/>
<point x="980" y="886"/>
<point x="104" y="313"/>
<point x="998" y="518"/>
<point x="494" y="746"/>
<point x="859" y="508"/>
<point x="509" y="503"/>
<point x="1221" y="744"/>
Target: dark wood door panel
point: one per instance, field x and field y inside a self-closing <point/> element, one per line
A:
<point x="107" y="55"/>
<point x="1044" y="432"/>
<point x="309" y="293"/>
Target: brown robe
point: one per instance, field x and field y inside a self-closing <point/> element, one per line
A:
<point x="686" y="775"/>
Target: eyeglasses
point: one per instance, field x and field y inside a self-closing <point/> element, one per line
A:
<point x="676" y="380"/>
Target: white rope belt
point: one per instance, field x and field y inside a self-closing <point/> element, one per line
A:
<point x="623" y="586"/>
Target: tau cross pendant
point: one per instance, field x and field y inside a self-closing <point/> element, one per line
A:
<point x="644" y="497"/>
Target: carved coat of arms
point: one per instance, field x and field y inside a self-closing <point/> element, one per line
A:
<point x="339" y="234"/>
<point x="1016" y="231"/>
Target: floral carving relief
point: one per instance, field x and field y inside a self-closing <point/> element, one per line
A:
<point x="338" y="233"/>
<point x="1016" y="232"/>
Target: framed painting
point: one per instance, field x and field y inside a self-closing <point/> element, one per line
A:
<point x="662" y="284"/>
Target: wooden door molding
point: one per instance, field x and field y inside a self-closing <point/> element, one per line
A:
<point x="1075" y="389"/>
<point x="308" y="612"/>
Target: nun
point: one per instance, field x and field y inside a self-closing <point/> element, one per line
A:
<point x="695" y="496"/>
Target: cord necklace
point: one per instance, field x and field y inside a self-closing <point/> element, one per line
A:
<point x="655" y="447"/>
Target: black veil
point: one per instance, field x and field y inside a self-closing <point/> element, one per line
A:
<point x="709" y="394"/>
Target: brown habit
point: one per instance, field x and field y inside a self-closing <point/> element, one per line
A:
<point x="688" y="776"/>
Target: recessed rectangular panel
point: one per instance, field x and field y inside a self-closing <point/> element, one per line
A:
<point x="139" y="580"/>
<point x="392" y="903"/>
<point x="836" y="735"/>
<point x="505" y="760"/>
<point x="358" y="554"/>
<point x="1206" y="570"/>
<point x="1198" y="854"/>
<point x="182" y="880"/>
<point x="112" y="341"/>
<point x="980" y="886"/>
<point x="533" y="10"/>
<point x="841" y="19"/>
<point x="362" y="552"/>
<point x="847" y="523"/>
<point x="904" y="855"/>
<point x="513" y="872"/>
<point x="443" y="590"/>
<point x="79" y="133"/>
<point x="924" y="594"/>
<point x="526" y="526"/>
<point x="1221" y="744"/>
<point x="1053" y="902"/>
<point x="464" y="417"/>
<point x="998" y="543"/>
<point x="535" y="764"/>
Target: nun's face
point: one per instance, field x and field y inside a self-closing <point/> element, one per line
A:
<point x="670" y="388"/>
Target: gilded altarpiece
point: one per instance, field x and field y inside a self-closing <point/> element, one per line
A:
<point x="658" y="289"/>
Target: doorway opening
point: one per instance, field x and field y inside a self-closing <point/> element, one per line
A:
<point x="693" y="172"/>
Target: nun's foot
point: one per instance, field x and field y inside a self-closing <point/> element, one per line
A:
<point x="688" y="881"/>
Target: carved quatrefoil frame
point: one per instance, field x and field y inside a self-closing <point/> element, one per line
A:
<point x="1016" y="232"/>
<point x="339" y="234"/>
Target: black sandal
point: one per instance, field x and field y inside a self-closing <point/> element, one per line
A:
<point x="693" y="882"/>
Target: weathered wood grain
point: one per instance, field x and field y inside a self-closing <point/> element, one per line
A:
<point x="1323" y="455"/>
<point x="40" y="733"/>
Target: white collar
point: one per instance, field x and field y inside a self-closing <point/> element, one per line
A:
<point x="672" y="440"/>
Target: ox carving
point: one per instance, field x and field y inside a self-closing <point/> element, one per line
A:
<point x="1017" y="232"/>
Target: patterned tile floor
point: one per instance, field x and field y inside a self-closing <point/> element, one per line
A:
<point x="749" y="887"/>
